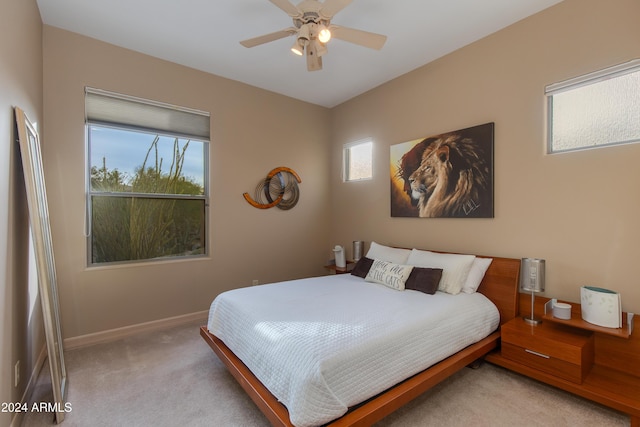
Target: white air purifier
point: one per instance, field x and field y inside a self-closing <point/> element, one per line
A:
<point x="601" y="307"/>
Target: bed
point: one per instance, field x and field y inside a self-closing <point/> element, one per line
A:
<point x="351" y="367"/>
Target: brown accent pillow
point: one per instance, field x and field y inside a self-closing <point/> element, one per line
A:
<point x="424" y="280"/>
<point x="362" y="267"/>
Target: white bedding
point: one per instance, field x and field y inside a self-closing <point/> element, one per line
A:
<point x="323" y="344"/>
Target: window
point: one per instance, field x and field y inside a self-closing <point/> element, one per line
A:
<point x="598" y="109"/>
<point x="358" y="160"/>
<point x="147" y="176"/>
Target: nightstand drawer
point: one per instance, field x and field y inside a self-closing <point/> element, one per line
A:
<point x="563" y="352"/>
<point x="543" y="362"/>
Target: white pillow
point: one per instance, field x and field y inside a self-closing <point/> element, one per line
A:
<point x="386" y="253"/>
<point x="455" y="268"/>
<point x="389" y="274"/>
<point x="476" y="274"/>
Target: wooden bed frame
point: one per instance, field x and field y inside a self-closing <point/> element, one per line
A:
<point x="500" y="285"/>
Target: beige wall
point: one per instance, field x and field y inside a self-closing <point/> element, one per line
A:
<point x="253" y="131"/>
<point x="579" y="211"/>
<point x="21" y="337"/>
<point x="575" y="210"/>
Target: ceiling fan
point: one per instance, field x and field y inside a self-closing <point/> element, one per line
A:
<point x="313" y="30"/>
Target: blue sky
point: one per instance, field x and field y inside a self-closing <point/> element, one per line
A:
<point x="126" y="150"/>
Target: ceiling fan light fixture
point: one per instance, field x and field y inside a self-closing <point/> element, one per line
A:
<point x="304" y="33"/>
<point x="324" y="35"/>
<point x="313" y="29"/>
<point x="321" y="49"/>
<point x="297" y="48"/>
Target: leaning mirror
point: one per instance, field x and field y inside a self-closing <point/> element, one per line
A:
<point x="41" y="232"/>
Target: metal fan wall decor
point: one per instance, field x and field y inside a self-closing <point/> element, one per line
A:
<point x="279" y="189"/>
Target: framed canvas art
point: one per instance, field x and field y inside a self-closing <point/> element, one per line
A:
<point x="444" y="176"/>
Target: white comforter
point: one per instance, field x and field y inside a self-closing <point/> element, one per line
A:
<point x="323" y="344"/>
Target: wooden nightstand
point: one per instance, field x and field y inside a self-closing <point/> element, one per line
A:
<point x="340" y="270"/>
<point x="600" y="364"/>
<point x="557" y="350"/>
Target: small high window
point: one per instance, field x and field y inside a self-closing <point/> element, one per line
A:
<point x="358" y="160"/>
<point x="595" y="110"/>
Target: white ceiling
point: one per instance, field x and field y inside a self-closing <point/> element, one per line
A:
<point x="205" y="35"/>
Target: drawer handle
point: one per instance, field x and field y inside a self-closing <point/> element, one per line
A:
<point x="536" y="353"/>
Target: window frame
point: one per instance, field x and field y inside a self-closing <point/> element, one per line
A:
<point x="346" y="159"/>
<point x="578" y="82"/>
<point x="160" y="131"/>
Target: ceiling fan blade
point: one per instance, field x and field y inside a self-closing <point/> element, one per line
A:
<point x="314" y="61"/>
<point x="268" y="37"/>
<point x="331" y="7"/>
<point x="362" y="38"/>
<point x="288" y="7"/>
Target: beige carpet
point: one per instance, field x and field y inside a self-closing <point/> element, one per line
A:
<point x="172" y="378"/>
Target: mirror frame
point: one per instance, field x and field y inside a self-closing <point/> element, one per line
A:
<point x="41" y="234"/>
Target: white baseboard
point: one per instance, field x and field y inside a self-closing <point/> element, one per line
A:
<point x="102" y="337"/>
<point x="114" y="334"/>
<point x="33" y="378"/>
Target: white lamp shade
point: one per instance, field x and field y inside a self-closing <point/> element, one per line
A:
<point x="324" y="35"/>
<point x="304" y="33"/>
<point x="297" y="48"/>
<point x="321" y="49"/>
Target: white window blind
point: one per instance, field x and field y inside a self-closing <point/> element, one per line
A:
<point x="109" y="108"/>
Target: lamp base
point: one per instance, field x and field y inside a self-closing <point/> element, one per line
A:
<point x="532" y="320"/>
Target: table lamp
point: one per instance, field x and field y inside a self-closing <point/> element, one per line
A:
<point x="532" y="280"/>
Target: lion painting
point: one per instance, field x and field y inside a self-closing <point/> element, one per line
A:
<point x="448" y="175"/>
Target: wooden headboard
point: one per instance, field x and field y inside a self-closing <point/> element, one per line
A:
<point x="500" y="285"/>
